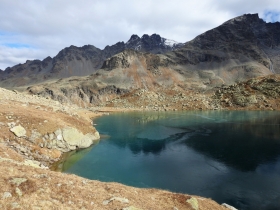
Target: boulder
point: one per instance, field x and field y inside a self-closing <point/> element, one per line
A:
<point x="193" y="202"/>
<point x="75" y="138"/>
<point x="19" y="131"/>
<point x="32" y="163"/>
<point x="7" y="195"/>
<point x="228" y="206"/>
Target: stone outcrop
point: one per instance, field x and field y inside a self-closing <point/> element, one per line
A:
<point x="40" y="129"/>
<point x="19" y="131"/>
<point x="65" y="139"/>
<point x="76" y="139"/>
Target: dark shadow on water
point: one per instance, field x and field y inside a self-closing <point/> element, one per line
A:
<point x="243" y="146"/>
<point x="243" y="143"/>
<point x="155" y="147"/>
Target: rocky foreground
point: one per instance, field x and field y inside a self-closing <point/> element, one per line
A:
<point x="35" y="132"/>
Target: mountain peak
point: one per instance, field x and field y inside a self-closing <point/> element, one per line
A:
<point x="250" y="18"/>
<point x="145" y="36"/>
<point x="154" y="44"/>
<point x="133" y="38"/>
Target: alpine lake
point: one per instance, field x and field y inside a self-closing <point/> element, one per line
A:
<point x="231" y="157"/>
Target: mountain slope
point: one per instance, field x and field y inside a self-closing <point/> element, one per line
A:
<point x="241" y="48"/>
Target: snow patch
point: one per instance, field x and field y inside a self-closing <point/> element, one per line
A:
<point x="169" y="42"/>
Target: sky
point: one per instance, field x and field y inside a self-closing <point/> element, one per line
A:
<point x="33" y="29"/>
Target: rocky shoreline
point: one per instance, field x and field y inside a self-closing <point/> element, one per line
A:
<point x="41" y="129"/>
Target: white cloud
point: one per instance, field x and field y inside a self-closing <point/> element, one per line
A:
<point x="47" y="26"/>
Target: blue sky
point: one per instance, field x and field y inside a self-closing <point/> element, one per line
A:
<point x="35" y="29"/>
<point x="271" y="16"/>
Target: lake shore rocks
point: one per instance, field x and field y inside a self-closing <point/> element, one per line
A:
<point x="19" y="131"/>
<point x="41" y="129"/>
<point x="76" y="139"/>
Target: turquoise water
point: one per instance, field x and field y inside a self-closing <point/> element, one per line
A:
<point x="230" y="156"/>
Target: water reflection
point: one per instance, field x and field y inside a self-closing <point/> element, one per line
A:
<point x="70" y="158"/>
<point x="243" y="146"/>
<point x="155" y="147"/>
<point x="242" y="140"/>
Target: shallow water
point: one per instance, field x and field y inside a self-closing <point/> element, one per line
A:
<point x="230" y="156"/>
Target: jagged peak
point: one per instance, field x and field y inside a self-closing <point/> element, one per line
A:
<point x="133" y="37"/>
<point x="145" y="36"/>
<point x="89" y="46"/>
<point x="118" y="44"/>
<point x="47" y="58"/>
<point x="71" y="47"/>
<point x="85" y="47"/>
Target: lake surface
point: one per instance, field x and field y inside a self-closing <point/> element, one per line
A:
<point x="230" y="156"/>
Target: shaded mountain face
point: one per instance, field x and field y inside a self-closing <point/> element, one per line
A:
<point x="241" y="48"/>
<point x="79" y="61"/>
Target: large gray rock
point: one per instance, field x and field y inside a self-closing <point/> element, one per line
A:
<point x="75" y="138"/>
<point x="19" y="131"/>
<point x="193" y="202"/>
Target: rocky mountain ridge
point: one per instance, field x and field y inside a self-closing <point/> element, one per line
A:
<point x="79" y="61"/>
<point x="153" y="44"/>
